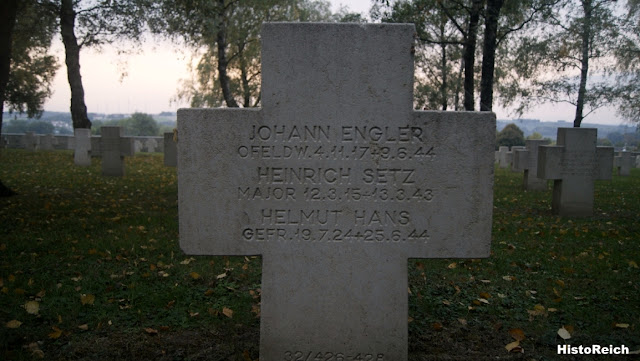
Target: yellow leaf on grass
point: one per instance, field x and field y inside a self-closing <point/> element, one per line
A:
<point x="622" y="325"/>
<point x="507" y="278"/>
<point x="485" y="295"/>
<point x="517" y="334"/>
<point x="514" y="347"/>
<point x="87" y="299"/>
<point x="13" y="324"/>
<point x="227" y="312"/>
<point x="633" y="264"/>
<point x="452" y="265"/>
<point x="56" y="333"/>
<point x="562" y="332"/>
<point x="32" y="307"/>
<point x="194" y="275"/>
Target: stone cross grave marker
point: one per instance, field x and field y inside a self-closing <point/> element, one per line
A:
<point x="151" y="145"/>
<point x="47" y="142"/>
<point x="31" y="141"/>
<point x="336" y="182"/>
<point x="170" y="150"/>
<point x="82" y="152"/>
<point x="574" y="164"/>
<point x="503" y="156"/>
<point x="527" y="160"/>
<point x="113" y="148"/>
<point x="623" y="162"/>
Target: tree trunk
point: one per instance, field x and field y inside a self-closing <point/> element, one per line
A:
<point x="72" y="59"/>
<point x="469" y="54"/>
<point x="221" y="40"/>
<point x="489" y="54"/>
<point x="8" y="12"/>
<point x="443" y="86"/>
<point x="584" y="71"/>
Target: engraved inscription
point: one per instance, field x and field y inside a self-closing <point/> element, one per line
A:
<point x="331" y="356"/>
<point x="308" y="174"/>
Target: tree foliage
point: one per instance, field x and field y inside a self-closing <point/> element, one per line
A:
<point x="628" y="64"/>
<point x="226" y="36"/>
<point x="509" y="136"/>
<point x="139" y="124"/>
<point x="559" y="61"/>
<point x="32" y="68"/>
<point x="92" y="23"/>
<point x="446" y="55"/>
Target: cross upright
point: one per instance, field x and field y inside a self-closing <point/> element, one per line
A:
<point x="527" y="160"/>
<point x="82" y="147"/>
<point x="336" y="182"/>
<point x="574" y="164"/>
<point x="113" y="148"/>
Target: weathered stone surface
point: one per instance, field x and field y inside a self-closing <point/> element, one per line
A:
<point x="336" y="182"/>
<point x="526" y="160"/>
<point x="623" y="163"/>
<point x="574" y="164"/>
<point x="82" y="152"/>
<point x="503" y="155"/>
<point x="170" y="150"/>
<point x="113" y="148"/>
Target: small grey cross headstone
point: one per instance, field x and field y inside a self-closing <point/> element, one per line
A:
<point x="31" y="141"/>
<point x="170" y="150"/>
<point x="527" y="160"/>
<point x="503" y="155"/>
<point x="336" y="181"/>
<point x="82" y="151"/>
<point x="47" y="141"/>
<point x="137" y="145"/>
<point x="574" y="164"/>
<point x="623" y="163"/>
<point x="151" y="144"/>
<point x="113" y="148"/>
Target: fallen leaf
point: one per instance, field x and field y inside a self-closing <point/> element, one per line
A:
<point x="227" y="312"/>
<point x="56" y="333"/>
<point x="35" y="350"/>
<point x="32" y="307"/>
<point x="84" y="327"/>
<point x="462" y="321"/>
<point x="222" y="275"/>
<point x="507" y="278"/>
<point x="483" y="300"/>
<point x="485" y="295"/>
<point x="209" y="292"/>
<point x="514" y="347"/>
<point x="622" y="325"/>
<point x="194" y="314"/>
<point x="194" y="275"/>
<point x="562" y="332"/>
<point x="517" y="334"/>
<point x="151" y="331"/>
<point x="633" y="264"/>
<point x="437" y="326"/>
<point x="13" y="324"/>
<point x="452" y="265"/>
<point x="87" y="299"/>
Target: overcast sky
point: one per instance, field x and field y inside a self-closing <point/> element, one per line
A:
<point x="153" y="77"/>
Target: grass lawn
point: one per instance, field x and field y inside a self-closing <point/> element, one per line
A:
<point x="91" y="269"/>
